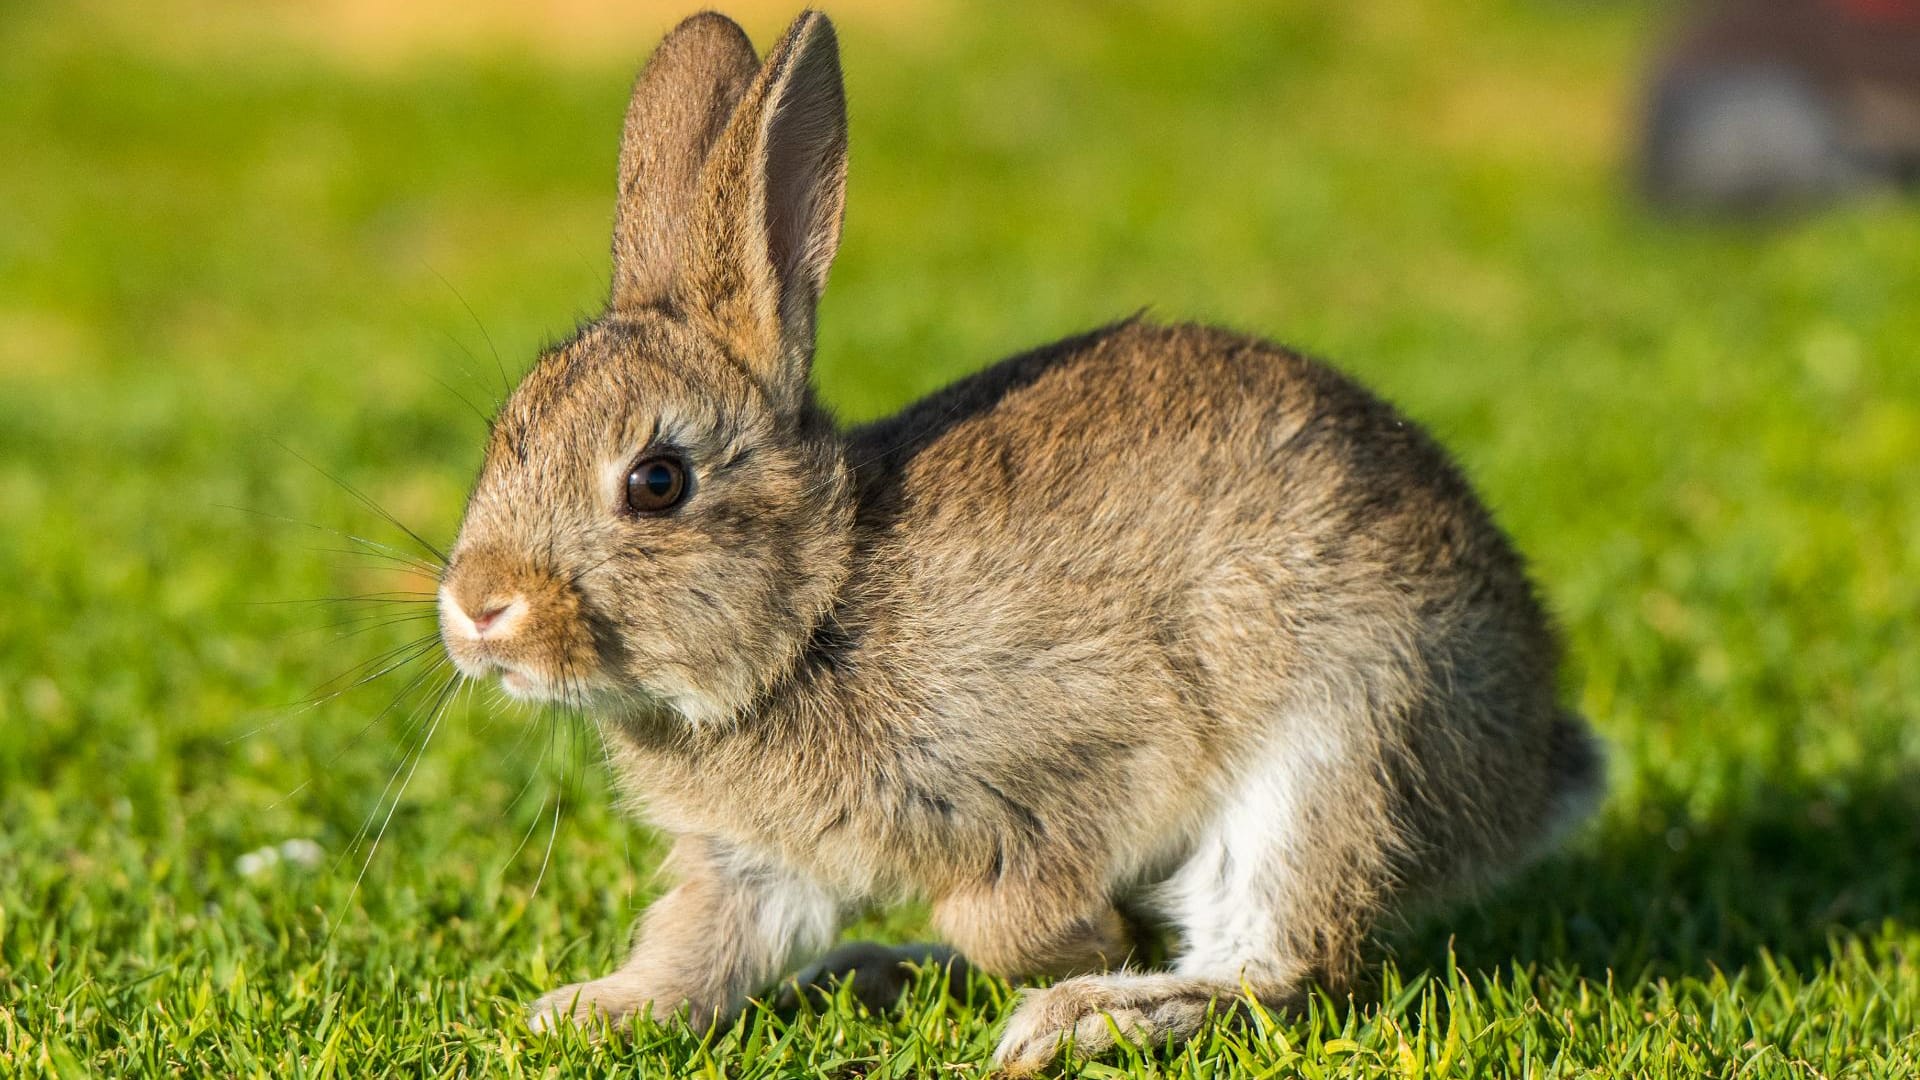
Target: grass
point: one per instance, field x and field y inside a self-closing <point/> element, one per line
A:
<point x="1704" y="435"/>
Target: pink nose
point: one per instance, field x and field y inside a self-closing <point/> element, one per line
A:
<point x="488" y="616"/>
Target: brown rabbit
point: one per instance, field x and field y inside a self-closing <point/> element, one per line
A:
<point x="1156" y="618"/>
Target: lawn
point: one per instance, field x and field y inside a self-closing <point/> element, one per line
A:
<point x="241" y="256"/>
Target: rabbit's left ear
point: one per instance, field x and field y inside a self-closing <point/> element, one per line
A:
<point x="768" y="222"/>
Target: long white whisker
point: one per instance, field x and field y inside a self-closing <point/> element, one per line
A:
<point x="552" y="835"/>
<point x="414" y="650"/>
<point x="439" y="711"/>
<point x="431" y="699"/>
<point x="385" y="550"/>
<point x="526" y="836"/>
<point x="368" y="726"/>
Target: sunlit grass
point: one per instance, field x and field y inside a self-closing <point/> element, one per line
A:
<point x="1703" y="435"/>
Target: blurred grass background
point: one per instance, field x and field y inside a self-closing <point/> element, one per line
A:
<point x="228" y="227"/>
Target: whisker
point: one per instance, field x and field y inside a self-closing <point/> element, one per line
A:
<point x="367" y="502"/>
<point x="576" y="738"/>
<point x="406" y="730"/>
<point x="542" y="764"/>
<point x="487" y="717"/>
<point x="394" y="597"/>
<point x="485" y="420"/>
<point x="525" y="836"/>
<point x="436" y="711"/>
<point x="413" y="649"/>
<point x="472" y="375"/>
<point x="390" y="551"/>
<point x="577" y="578"/>
<point x="466" y="704"/>
<point x="400" y="562"/>
<point x="526" y="733"/>
<point x="418" y="678"/>
<point x="532" y="775"/>
<point x="348" y="618"/>
<point x="377" y="568"/>
<point x="379" y="620"/>
<point x="505" y="383"/>
<point x="552" y="835"/>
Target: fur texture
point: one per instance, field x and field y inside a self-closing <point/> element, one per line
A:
<point x="1156" y="618"/>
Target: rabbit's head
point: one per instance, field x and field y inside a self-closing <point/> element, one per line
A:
<point x="664" y="515"/>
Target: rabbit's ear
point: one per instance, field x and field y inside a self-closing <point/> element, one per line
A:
<point x="768" y="224"/>
<point x="681" y="104"/>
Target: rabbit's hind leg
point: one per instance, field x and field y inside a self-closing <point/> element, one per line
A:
<point x="1216" y="972"/>
<point x="1279" y="889"/>
<point x="1086" y="1013"/>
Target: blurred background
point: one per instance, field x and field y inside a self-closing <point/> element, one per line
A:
<point x="1652" y="276"/>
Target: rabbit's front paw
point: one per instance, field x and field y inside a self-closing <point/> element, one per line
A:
<point x="615" y="999"/>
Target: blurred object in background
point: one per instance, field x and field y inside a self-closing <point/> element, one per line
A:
<point x="1758" y="104"/>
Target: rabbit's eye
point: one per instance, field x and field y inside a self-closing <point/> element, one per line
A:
<point x="656" y="484"/>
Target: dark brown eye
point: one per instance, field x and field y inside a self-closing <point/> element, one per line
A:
<point x="656" y="484"/>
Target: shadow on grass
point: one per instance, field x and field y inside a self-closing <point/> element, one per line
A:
<point x="1665" y="894"/>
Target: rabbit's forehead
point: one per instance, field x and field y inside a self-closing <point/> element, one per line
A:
<point x="615" y="391"/>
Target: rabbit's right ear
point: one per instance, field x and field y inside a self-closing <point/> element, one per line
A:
<point x="768" y="224"/>
<point x="681" y="103"/>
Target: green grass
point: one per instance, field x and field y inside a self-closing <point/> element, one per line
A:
<point x="1704" y="436"/>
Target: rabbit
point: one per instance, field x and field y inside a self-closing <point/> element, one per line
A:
<point x="1156" y="618"/>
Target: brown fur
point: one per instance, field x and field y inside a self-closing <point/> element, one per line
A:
<point x="1156" y="616"/>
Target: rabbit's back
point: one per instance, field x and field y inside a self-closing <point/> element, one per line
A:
<point x="1162" y="551"/>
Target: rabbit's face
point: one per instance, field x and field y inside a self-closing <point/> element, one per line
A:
<point x="664" y="517"/>
<point x="649" y="528"/>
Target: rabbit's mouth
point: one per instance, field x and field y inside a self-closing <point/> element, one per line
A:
<point x="499" y="619"/>
<point x="524" y="683"/>
<point x="521" y="684"/>
<point x="518" y="681"/>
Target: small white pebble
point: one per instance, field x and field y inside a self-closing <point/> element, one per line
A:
<point x="302" y="852"/>
<point x="299" y="851"/>
<point x="255" y="863"/>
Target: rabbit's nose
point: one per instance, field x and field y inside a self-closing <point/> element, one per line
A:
<point x="488" y="616"/>
<point x="496" y="617"/>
